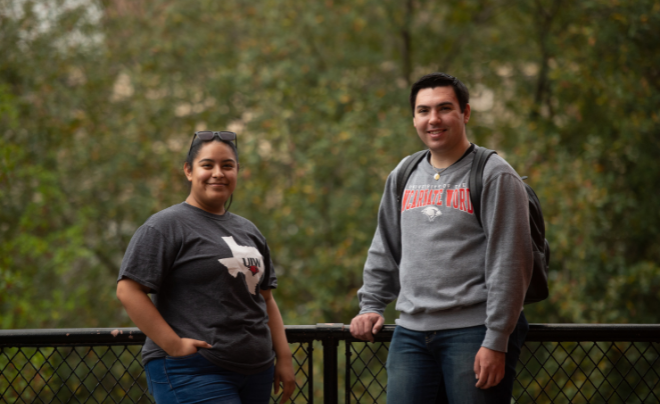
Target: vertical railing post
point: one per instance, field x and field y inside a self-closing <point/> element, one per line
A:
<point x="347" y="383"/>
<point x="330" y="342"/>
<point x="330" y="369"/>
<point x="310" y="371"/>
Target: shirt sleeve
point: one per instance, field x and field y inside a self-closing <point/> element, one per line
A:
<point x="509" y="256"/>
<point x="148" y="258"/>
<point x="381" y="270"/>
<point x="270" y="278"/>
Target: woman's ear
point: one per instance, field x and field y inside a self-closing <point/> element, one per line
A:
<point x="188" y="171"/>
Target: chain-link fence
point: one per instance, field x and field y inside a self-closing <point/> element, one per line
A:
<point x="588" y="372"/>
<point x="97" y="374"/>
<point x="548" y="372"/>
<point x="558" y="364"/>
<point x="98" y="366"/>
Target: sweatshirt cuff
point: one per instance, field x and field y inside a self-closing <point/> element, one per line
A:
<point x="371" y="310"/>
<point x="496" y="340"/>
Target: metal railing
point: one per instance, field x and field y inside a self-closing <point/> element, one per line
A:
<point x="559" y="363"/>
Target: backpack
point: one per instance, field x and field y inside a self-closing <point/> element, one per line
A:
<point x="538" y="287"/>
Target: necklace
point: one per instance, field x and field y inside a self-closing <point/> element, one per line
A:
<point x="437" y="173"/>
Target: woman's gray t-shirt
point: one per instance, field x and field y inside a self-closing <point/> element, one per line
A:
<point x="205" y="272"/>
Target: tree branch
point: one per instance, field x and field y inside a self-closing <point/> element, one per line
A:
<point x="406" y="37"/>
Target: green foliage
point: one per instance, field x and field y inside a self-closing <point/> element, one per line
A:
<point x="98" y="102"/>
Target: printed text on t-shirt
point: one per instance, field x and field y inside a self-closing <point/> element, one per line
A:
<point x="456" y="198"/>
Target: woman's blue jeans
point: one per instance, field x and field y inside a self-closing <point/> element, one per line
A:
<point x="437" y="366"/>
<point x="193" y="379"/>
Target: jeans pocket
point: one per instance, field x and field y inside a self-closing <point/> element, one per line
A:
<point x="148" y="376"/>
<point x="156" y="374"/>
<point x="184" y="357"/>
<point x="158" y="381"/>
<point x="186" y="365"/>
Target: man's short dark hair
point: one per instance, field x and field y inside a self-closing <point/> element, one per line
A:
<point x="439" y="79"/>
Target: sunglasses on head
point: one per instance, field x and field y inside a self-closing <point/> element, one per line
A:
<point x="210" y="134"/>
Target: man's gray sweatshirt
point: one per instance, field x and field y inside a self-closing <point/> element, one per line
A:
<point x="453" y="273"/>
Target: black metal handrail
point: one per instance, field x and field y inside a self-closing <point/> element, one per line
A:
<point x="321" y="331"/>
<point x="560" y="363"/>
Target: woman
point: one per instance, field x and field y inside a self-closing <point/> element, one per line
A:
<point x="214" y="328"/>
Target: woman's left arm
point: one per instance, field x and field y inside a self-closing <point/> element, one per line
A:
<point x="284" y="362"/>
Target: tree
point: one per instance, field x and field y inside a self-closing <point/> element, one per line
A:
<point x="99" y="102"/>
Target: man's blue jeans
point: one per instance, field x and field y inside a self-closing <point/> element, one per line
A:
<point x="437" y="366"/>
<point x="193" y="379"/>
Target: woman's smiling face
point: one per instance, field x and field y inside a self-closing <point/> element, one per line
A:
<point x="212" y="177"/>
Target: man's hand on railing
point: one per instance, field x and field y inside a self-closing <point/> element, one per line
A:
<point x="365" y="326"/>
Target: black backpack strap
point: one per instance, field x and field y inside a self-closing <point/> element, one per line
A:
<point x="404" y="173"/>
<point x="476" y="183"/>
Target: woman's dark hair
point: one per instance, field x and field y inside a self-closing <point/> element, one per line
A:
<point x="198" y="143"/>
<point x="438" y="79"/>
<point x="197" y="146"/>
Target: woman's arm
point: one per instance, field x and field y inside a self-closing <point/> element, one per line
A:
<point x="149" y="320"/>
<point x="284" y="364"/>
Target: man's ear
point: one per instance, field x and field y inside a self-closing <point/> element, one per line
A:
<point x="466" y="113"/>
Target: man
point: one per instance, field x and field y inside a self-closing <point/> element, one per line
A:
<point x="459" y="285"/>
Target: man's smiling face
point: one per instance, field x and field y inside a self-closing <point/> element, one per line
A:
<point x="439" y="121"/>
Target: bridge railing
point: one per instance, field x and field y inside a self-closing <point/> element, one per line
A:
<point x="559" y="363"/>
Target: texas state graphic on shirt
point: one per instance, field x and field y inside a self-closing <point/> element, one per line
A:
<point x="246" y="260"/>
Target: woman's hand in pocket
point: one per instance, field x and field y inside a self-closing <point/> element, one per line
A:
<point x="188" y="346"/>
